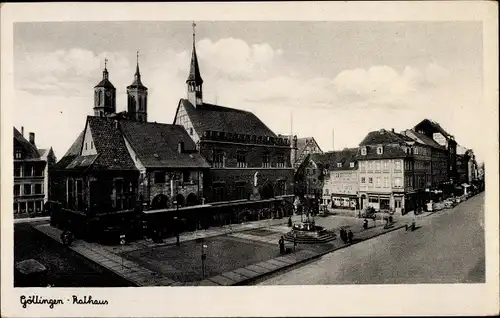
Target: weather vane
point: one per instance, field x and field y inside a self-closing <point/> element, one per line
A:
<point x="105" y="62"/>
<point x="137" y="56"/>
<point x="194" y="26"/>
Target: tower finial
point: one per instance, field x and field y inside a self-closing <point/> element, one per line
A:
<point x="194" y="30"/>
<point x="137" y="57"/>
<point x="105" y="62"/>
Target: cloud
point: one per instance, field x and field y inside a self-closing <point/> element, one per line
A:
<point x="236" y="59"/>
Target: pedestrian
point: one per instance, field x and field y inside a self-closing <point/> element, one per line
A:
<point x="290" y="221"/>
<point x="342" y="235"/>
<point x="294" y="242"/>
<point x="350" y="236"/>
<point x="365" y="224"/>
<point x="281" y="243"/>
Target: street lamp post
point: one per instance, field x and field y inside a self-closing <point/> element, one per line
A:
<point x="203" y="256"/>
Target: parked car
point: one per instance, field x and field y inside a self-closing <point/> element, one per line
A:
<point x="449" y="203"/>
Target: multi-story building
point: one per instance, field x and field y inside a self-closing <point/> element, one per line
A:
<point x="120" y="162"/>
<point x="340" y="181"/>
<point x="434" y="131"/>
<point x="438" y="159"/>
<point x="391" y="175"/>
<point x="247" y="159"/>
<point x="31" y="175"/>
<point x="305" y="146"/>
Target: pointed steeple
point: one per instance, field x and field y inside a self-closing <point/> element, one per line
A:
<point x="137" y="76"/>
<point x="194" y="70"/>
<point x="105" y="71"/>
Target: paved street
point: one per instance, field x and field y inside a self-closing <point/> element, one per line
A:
<point x="64" y="267"/>
<point x="447" y="248"/>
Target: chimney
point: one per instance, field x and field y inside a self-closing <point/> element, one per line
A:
<point x="392" y="129"/>
<point x="180" y="147"/>
<point x="32" y="138"/>
<point x="22" y="131"/>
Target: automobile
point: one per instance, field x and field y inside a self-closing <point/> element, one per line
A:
<point x="449" y="203"/>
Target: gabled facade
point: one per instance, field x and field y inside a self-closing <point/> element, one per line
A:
<point x="31" y="175"/>
<point x="305" y="146"/>
<point x="247" y="160"/>
<point x="389" y="178"/>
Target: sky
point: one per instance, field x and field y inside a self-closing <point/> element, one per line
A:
<point x="334" y="81"/>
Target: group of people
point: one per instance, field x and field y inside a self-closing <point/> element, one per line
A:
<point x="346" y="236"/>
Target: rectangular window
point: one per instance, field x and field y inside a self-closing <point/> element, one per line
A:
<point x="38" y="171"/>
<point x="218" y="193"/>
<point x="397" y="165"/>
<point x="31" y="206"/>
<point x="218" y="159"/>
<point x="280" y="161"/>
<point x="370" y="180"/>
<point x="386" y="182"/>
<point x="241" y="159"/>
<point x="18" y="155"/>
<point x="79" y="194"/>
<point x="28" y="170"/>
<point x="119" y="194"/>
<point x="160" y="177"/>
<point x="38" y="188"/>
<point x="17" y="170"/>
<point x="386" y="164"/>
<point x="265" y="161"/>
<point x="397" y="182"/>
<point x="70" y="192"/>
<point x="15" y="207"/>
<point x="17" y="189"/>
<point x="378" y="166"/>
<point x="378" y="182"/>
<point x="27" y="189"/>
<point x="186" y="176"/>
<point x="351" y="164"/>
<point x="240" y="191"/>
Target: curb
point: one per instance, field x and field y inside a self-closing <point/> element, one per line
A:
<point x="250" y="280"/>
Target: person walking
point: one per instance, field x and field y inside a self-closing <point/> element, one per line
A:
<point x="350" y="236"/>
<point x="281" y="243"/>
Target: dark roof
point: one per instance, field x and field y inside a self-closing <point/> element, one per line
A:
<point x="194" y="69"/>
<point x="82" y="162"/>
<point x="72" y="153"/>
<point x="434" y="126"/>
<point x="29" y="150"/>
<point x="137" y="79"/>
<point x="302" y="143"/>
<point x="105" y="83"/>
<point x="109" y="144"/>
<point x="383" y="136"/>
<point x="421" y="138"/>
<point x="330" y="160"/>
<point x="156" y="145"/>
<point x="229" y="120"/>
<point x="390" y="151"/>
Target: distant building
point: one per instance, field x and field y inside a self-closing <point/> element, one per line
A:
<point x="305" y="146"/>
<point x="341" y="182"/>
<point x="32" y="167"/>
<point x="393" y="172"/>
<point x="434" y="131"/>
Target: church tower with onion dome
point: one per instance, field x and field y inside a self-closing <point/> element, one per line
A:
<point x="104" y="95"/>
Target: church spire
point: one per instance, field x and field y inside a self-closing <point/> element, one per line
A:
<point x="137" y="76"/>
<point x="194" y="70"/>
<point x="137" y="72"/>
<point x="105" y="74"/>
<point x="194" y="81"/>
<point x="137" y="94"/>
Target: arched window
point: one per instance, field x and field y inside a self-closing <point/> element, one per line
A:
<point x="100" y="98"/>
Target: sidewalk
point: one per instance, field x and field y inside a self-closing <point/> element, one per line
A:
<point x="138" y="275"/>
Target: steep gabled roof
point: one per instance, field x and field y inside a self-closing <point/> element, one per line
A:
<point x="390" y="151"/>
<point x="156" y="145"/>
<point x="109" y="144"/>
<point x="72" y="153"/>
<point x="435" y="127"/>
<point x="423" y="139"/>
<point x="330" y="160"/>
<point x="383" y="136"/>
<point x="29" y="151"/>
<point x="229" y="120"/>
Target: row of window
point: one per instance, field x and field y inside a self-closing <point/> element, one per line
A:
<point x="28" y="207"/>
<point x="219" y="160"/>
<point x="378" y="165"/>
<point x="28" y="170"/>
<point x="417" y="150"/>
<point x="378" y="181"/>
<point x="28" y="189"/>
<point x="161" y="177"/>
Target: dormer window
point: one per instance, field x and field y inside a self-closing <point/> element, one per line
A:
<point x="339" y="165"/>
<point x="351" y="164"/>
<point x="19" y="154"/>
<point x="380" y="150"/>
<point x="363" y="151"/>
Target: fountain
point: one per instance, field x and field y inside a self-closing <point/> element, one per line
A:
<point x="307" y="232"/>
